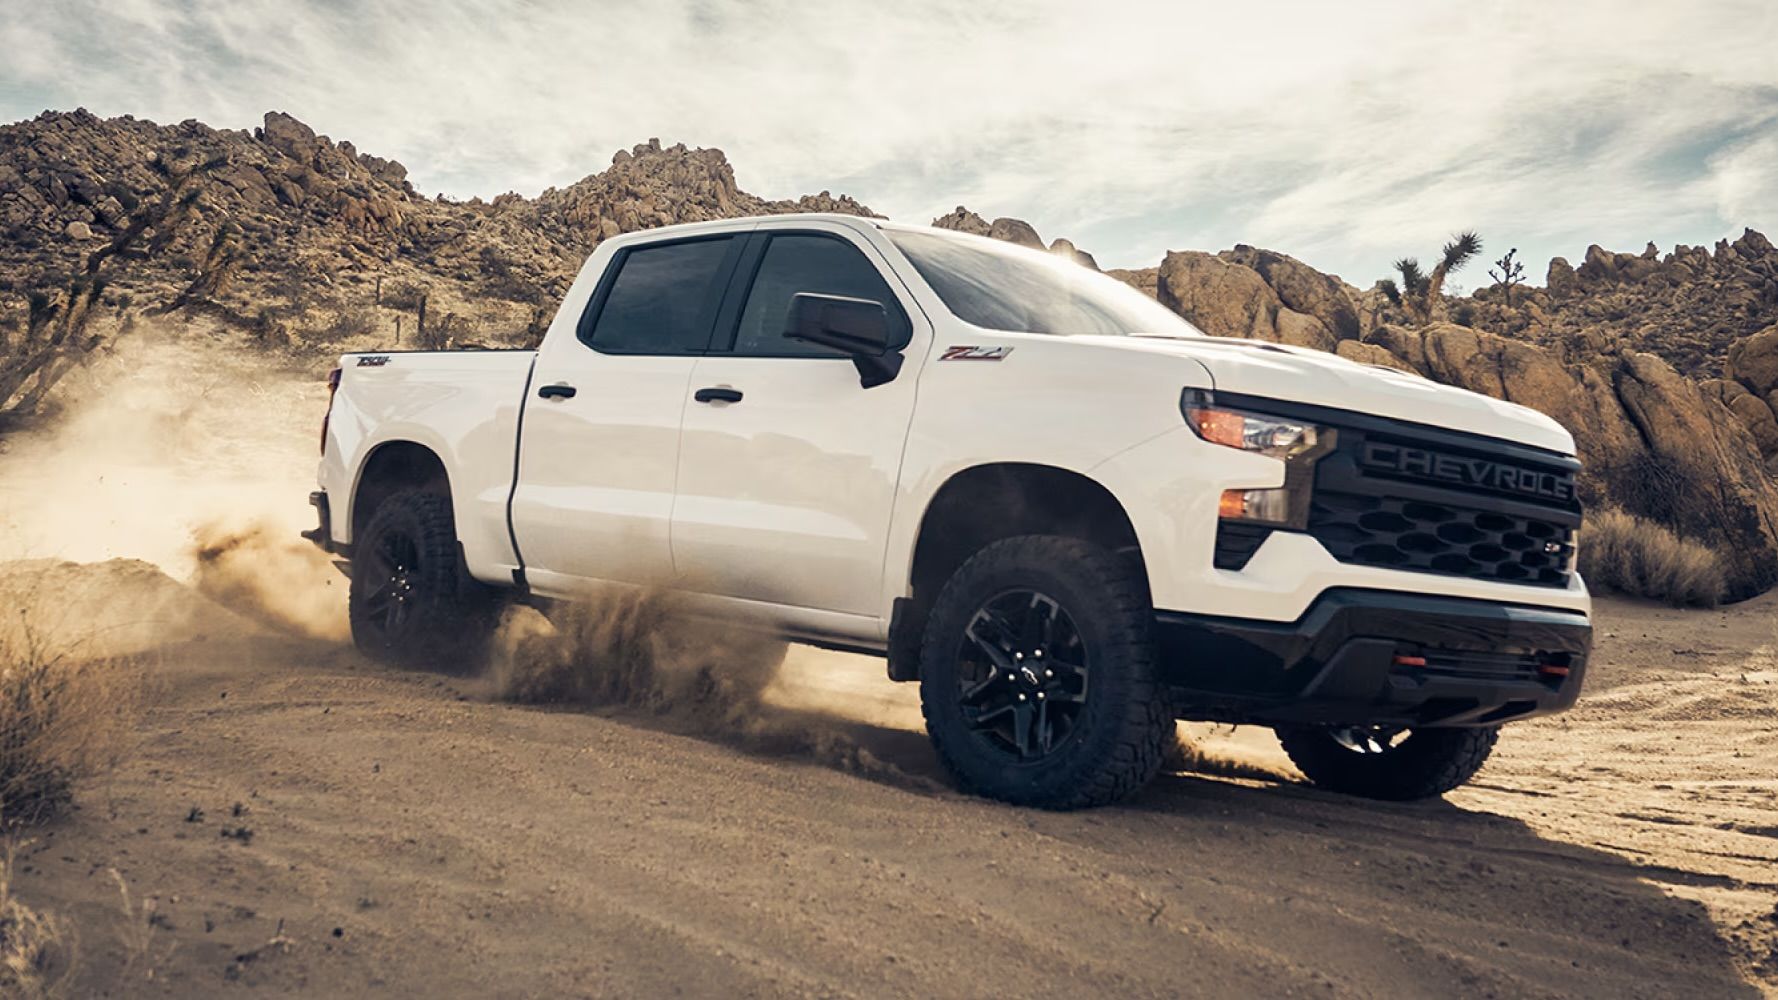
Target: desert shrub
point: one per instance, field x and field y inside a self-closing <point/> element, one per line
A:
<point x="402" y="295"/>
<point x="30" y="943"/>
<point x="1629" y="555"/>
<point x="61" y="720"/>
<point x="349" y="322"/>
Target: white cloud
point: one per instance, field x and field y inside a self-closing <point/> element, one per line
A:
<point x="1345" y="133"/>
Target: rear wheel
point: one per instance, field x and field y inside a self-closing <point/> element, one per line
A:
<point x="1037" y="675"/>
<point x="410" y="601"/>
<point x="1384" y="762"/>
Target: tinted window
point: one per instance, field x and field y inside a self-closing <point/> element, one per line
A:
<point x="799" y="263"/>
<point x="1002" y="287"/>
<point x="662" y="299"/>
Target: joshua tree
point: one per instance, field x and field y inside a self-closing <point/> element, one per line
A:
<point x="1421" y="294"/>
<point x="1506" y="273"/>
<point x="55" y="336"/>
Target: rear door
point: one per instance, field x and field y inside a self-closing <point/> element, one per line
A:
<point x="599" y="447"/>
<point x="787" y="467"/>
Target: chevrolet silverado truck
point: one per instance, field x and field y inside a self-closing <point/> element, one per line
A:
<point x="1059" y="508"/>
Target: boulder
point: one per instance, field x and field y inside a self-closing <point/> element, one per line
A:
<point x="1222" y="299"/>
<point x="78" y="231"/>
<point x="1753" y="361"/>
<point x="1561" y="279"/>
<point x="1704" y="477"/>
<point x="1370" y="354"/>
<point x="1303" y="330"/>
<point x="962" y="220"/>
<point x="1754" y="412"/>
<point x="1757" y="414"/>
<point x="1016" y="231"/>
<point x="1144" y="279"/>
<point x="1066" y="248"/>
<point x="291" y="137"/>
<point x="1302" y="288"/>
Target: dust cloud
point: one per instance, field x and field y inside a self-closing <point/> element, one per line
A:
<point x="268" y="575"/>
<point x="193" y="453"/>
<point x="640" y="648"/>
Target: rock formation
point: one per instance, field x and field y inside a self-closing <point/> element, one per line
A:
<point x="1689" y="305"/>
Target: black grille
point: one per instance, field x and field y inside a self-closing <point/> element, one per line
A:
<point x="1398" y="533"/>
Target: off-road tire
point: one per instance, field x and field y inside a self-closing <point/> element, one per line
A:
<point x="445" y="618"/>
<point x="1115" y="745"/>
<point x="1427" y="764"/>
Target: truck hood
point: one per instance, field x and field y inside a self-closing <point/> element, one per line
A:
<point x="1298" y="374"/>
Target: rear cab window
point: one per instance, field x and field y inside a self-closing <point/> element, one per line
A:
<point x="661" y="298"/>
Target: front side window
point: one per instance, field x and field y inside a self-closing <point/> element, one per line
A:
<point x="798" y="262"/>
<point x="662" y="300"/>
<point x="1003" y="287"/>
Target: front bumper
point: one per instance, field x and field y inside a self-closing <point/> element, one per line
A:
<point x="1372" y="657"/>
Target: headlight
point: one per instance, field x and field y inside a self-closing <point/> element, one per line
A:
<point x="1257" y="432"/>
<point x="1296" y="443"/>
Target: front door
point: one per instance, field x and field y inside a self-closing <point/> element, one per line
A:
<point x="787" y="466"/>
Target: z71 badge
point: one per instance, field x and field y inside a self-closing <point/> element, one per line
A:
<point x="961" y="353"/>
<point x="372" y="360"/>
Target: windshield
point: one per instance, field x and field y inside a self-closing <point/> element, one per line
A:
<point x="999" y="286"/>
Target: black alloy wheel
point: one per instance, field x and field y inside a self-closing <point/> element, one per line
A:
<point x="393" y="571"/>
<point x="1022" y="674"/>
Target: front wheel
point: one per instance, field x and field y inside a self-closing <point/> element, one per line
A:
<point x="1383" y="762"/>
<point x="1037" y="675"/>
<point x="410" y="602"/>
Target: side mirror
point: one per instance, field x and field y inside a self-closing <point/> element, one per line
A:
<point x="855" y="327"/>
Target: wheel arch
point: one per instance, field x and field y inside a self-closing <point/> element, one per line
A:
<point x="392" y="466"/>
<point x="985" y="503"/>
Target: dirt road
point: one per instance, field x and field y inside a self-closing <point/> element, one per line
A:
<point x="302" y="822"/>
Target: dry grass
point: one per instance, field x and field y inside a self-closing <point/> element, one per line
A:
<point x="35" y="951"/>
<point x="1623" y="553"/>
<point x="61" y="720"/>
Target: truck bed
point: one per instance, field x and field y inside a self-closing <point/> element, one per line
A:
<point x="464" y="405"/>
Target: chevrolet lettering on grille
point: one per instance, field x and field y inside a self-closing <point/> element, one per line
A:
<point x="1479" y="473"/>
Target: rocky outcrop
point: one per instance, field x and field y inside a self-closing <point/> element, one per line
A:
<point x="322" y="229"/>
<point x="1302" y="288"/>
<point x="1066" y="248"/>
<point x="1753" y="362"/>
<point x="962" y="220"/>
<point x="1688" y="306"/>
<point x="1229" y="299"/>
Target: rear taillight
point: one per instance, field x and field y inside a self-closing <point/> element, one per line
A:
<point x="333" y="387"/>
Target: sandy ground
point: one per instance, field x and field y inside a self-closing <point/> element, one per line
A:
<point x="299" y="821"/>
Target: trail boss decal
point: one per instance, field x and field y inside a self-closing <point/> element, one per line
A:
<point x="373" y="360"/>
<point x="962" y="353"/>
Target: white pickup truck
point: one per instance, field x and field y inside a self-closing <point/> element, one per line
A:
<point x="1066" y="513"/>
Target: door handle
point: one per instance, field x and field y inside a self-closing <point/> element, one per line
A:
<point x="717" y="394"/>
<point x="557" y="391"/>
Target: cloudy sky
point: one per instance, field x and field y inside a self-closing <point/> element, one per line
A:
<point x="1345" y="133"/>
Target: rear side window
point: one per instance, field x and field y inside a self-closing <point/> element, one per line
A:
<point x="663" y="299"/>
<point x="798" y="262"/>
